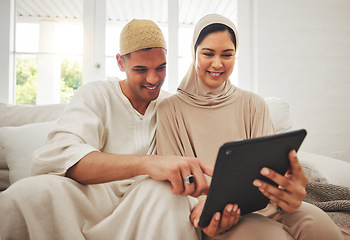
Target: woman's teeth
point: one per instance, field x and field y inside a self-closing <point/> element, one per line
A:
<point x="214" y="74"/>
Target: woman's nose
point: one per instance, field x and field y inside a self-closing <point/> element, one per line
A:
<point x="217" y="63"/>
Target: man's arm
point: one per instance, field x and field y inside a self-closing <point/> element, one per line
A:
<point x="98" y="167"/>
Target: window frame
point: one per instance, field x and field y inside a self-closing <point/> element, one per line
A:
<point x="94" y="23"/>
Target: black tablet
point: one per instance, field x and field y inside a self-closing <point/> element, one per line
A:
<point x="239" y="163"/>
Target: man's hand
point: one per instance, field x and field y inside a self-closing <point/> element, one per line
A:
<point x="291" y="191"/>
<point x="218" y="224"/>
<point x="175" y="169"/>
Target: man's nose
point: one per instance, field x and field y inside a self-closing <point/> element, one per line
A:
<point x="152" y="77"/>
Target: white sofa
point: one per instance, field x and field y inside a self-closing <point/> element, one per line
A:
<point x="24" y="128"/>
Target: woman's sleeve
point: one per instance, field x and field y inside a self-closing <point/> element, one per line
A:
<point x="167" y="133"/>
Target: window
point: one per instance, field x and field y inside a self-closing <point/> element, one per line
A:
<point x="188" y="14"/>
<point x="48" y="51"/>
<point x="60" y="45"/>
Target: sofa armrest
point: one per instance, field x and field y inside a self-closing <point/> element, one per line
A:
<point x="325" y="169"/>
<point x="18" y="115"/>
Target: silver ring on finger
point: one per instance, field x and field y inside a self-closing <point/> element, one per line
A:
<point x="189" y="179"/>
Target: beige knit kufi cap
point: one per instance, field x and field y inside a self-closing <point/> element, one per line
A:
<point x="140" y="34"/>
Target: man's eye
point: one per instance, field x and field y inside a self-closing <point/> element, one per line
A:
<point x="140" y="70"/>
<point x="161" y="68"/>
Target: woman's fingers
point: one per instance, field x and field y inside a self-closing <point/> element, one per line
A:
<point x="291" y="187"/>
<point x="213" y="226"/>
<point x="221" y="223"/>
<point x="296" y="170"/>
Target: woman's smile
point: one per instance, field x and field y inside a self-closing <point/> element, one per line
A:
<point x="215" y="74"/>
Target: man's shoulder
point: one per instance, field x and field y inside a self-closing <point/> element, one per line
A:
<point x="98" y="87"/>
<point x="99" y="84"/>
<point x="96" y="93"/>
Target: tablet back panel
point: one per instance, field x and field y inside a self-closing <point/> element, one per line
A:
<point x="239" y="163"/>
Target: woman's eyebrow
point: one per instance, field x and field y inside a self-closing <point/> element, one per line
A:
<point x="229" y="50"/>
<point x="226" y="50"/>
<point x="207" y="49"/>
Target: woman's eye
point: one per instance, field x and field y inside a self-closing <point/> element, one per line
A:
<point x="227" y="55"/>
<point x="208" y="54"/>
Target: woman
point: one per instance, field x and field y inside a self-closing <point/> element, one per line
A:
<point x="208" y="111"/>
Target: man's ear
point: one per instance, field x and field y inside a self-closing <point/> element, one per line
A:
<point x="121" y="63"/>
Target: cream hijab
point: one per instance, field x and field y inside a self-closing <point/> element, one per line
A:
<point x="192" y="89"/>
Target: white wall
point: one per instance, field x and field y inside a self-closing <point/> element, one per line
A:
<point x="303" y="56"/>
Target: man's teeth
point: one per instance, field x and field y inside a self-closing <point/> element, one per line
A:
<point x="151" y="88"/>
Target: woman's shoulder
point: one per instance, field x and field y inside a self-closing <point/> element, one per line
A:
<point x="250" y="97"/>
<point x="170" y="103"/>
<point x="167" y="100"/>
<point x="162" y="95"/>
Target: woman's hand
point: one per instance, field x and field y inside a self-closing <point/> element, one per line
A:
<point x="218" y="224"/>
<point x="291" y="191"/>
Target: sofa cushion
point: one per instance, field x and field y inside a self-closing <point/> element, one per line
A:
<point x="280" y="114"/>
<point x="3" y="163"/>
<point x="19" y="143"/>
<point x="4" y="171"/>
<point x="4" y="179"/>
<point x="17" y="115"/>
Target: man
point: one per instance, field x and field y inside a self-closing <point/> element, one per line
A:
<point x="101" y="182"/>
